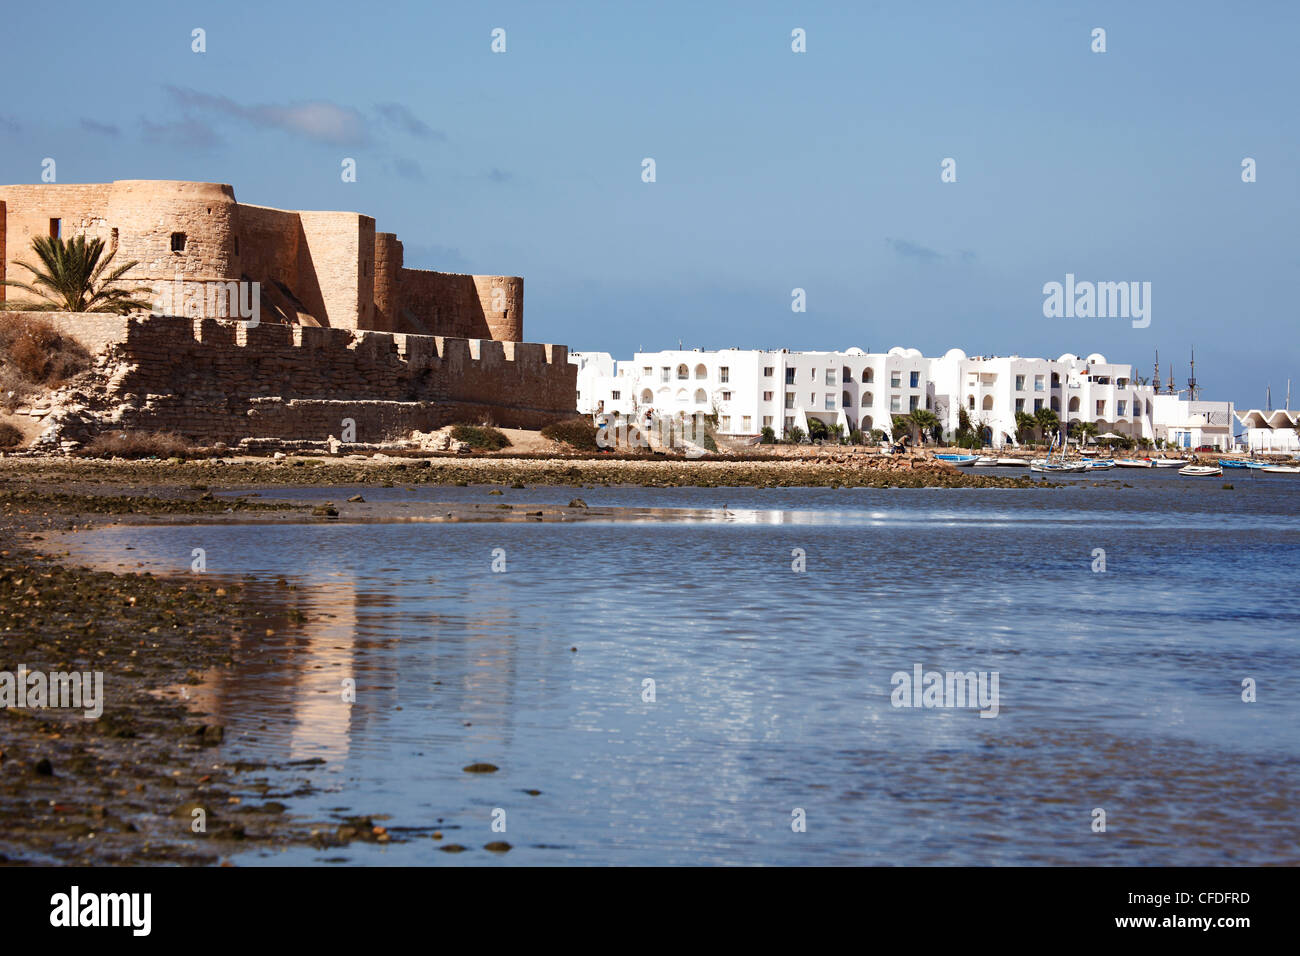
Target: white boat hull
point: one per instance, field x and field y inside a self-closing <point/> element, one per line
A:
<point x="1201" y="471"/>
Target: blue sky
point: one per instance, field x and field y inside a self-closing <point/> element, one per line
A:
<point x="775" y="170"/>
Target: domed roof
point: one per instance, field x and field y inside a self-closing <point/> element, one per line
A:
<point x="898" y="350"/>
<point x="957" y="354"/>
<point x="1096" y="358"/>
<point x="912" y="353"/>
<point x="854" y="351"/>
<point x="1068" y="358"/>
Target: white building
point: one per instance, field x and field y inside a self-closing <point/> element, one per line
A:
<point x="1272" y="430"/>
<point x="753" y="389"/>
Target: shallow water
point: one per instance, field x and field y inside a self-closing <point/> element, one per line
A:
<point x="1118" y="690"/>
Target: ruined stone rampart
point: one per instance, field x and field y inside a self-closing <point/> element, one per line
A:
<point x="216" y="380"/>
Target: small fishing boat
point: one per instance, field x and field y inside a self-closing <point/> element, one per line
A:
<point x="1014" y="462"/>
<point x="1098" y="464"/>
<point x="985" y="461"/>
<point x="962" y="461"/>
<point x="1233" y="463"/>
<point x="1281" y="469"/>
<point x="1058" y="467"/>
<point x="1134" y="463"/>
<point x="1172" y="463"/>
<point x="1202" y="471"/>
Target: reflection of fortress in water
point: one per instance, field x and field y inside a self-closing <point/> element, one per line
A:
<point x="296" y="685"/>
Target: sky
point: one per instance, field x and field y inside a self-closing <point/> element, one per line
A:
<point x="774" y="170"/>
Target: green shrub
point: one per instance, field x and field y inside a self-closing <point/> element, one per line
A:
<point x="480" y="437"/>
<point x="769" y="436"/>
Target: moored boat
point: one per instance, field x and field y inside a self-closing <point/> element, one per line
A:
<point x="1202" y="471"/>
<point x="1134" y="463"/>
<point x="985" y="461"/>
<point x="1014" y="462"/>
<point x="962" y="461"/>
<point x="1281" y="469"/>
<point x="1098" y="464"/>
<point x="1171" y="463"/>
<point x="1043" y="464"/>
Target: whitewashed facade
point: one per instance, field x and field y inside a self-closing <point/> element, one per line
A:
<point x="753" y="389"/>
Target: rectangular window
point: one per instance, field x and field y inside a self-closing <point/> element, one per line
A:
<point x="746" y="424"/>
<point x="1039" y="383"/>
<point x="916" y="380"/>
<point x="789" y="376"/>
<point x="726" y="396"/>
<point x="1038" y="404"/>
<point x="895" y="403"/>
<point x="647" y="371"/>
<point x="895" y="379"/>
<point x="1020" y="404"/>
<point x="726" y="423"/>
<point x="616" y="395"/>
<point x="830" y="376"/>
<point x="665" y="374"/>
<point x="767" y="421"/>
<point x="1020" y="383"/>
<point x="789" y="399"/>
<point x="812" y="399"/>
<point x="912" y="402"/>
<point x="767" y="396"/>
<point x="789" y="424"/>
<point x="724" y="374"/>
<point x="768" y="371"/>
<point x="56" y="228"/>
<point x="1121" y="407"/>
<point x="1101" y="408"/>
<point x="830" y="403"/>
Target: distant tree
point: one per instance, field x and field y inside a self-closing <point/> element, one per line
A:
<point x="768" y="436"/>
<point x="900" y="427"/>
<point x="74" y="276"/>
<point x="796" y="435"/>
<point x="1049" y="423"/>
<point x="1025" y="425"/>
<point x="817" y="430"/>
<point x="926" y="422"/>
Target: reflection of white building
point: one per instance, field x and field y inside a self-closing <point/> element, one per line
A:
<point x="1271" y="430"/>
<point x="754" y="389"/>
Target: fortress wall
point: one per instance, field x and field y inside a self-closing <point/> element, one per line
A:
<point x="268" y="243"/>
<point x="95" y="330"/>
<point x="26" y="211"/>
<point x="214" y="380"/>
<point x="341" y="248"/>
<point x="466" y="306"/>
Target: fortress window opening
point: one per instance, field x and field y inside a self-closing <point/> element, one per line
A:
<point x="178" y="242"/>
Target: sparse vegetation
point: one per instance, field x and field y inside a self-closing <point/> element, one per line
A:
<point x="131" y="444"/>
<point x="10" y="437"/>
<point x="575" y="433"/>
<point x="35" y="356"/>
<point x="480" y="437"/>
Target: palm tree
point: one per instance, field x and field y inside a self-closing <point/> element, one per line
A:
<point x="1025" y="424"/>
<point x="925" y="421"/>
<point x="75" y="278"/>
<point x="1048" y="421"/>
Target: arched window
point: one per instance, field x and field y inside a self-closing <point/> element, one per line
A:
<point x="867" y="399"/>
<point x="1056" y="405"/>
<point x="1074" y="403"/>
<point x="988" y="403"/>
<point x="846" y="374"/>
<point x="647" y="397"/>
<point x="846" y="400"/>
<point x="1056" y="380"/>
<point x="868" y="423"/>
<point x="868" y="375"/>
<point x="701" y="372"/>
<point x="683" y="372"/>
<point x="701" y="398"/>
<point x="682" y="396"/>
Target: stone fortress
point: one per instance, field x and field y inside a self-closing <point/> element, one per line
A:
<point x="343" y="330"/>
